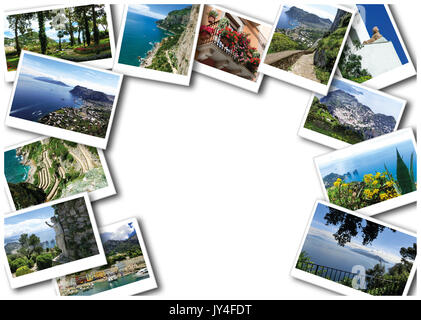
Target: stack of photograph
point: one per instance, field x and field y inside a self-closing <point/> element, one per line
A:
<point x="57" y="58"/>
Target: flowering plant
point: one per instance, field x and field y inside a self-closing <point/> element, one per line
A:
<point x="229" y="36"/>
<point x="206" y="29"/>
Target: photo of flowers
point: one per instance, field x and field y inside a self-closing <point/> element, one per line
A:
<point x="375" y="53"/>
<point x="350" y="113"/>
<point x="127" y="270"/>
<point x="306" y="44"/>
<point x="78" y="34"/>
<point x="372" y="176"/>
<point x="351" y="254"/>
<point x="48" y="240"/>
<point x="231" y="43"/>
<point x="63" y="99"/>
<point x="49" y="169"/>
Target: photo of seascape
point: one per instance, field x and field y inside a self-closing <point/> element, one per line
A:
<point x="337" y="242"/>
<point x="50" y="169"/>
<point x="49" y="236"/>
<point x="64" y="95"/>
<point x="159" y="37"/>
<point x="126" y="264"/>
<point x="366" y="174"/>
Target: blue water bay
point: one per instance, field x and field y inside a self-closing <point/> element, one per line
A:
<point x="140" y="35"/>
<point x="14" y="170"/>
<point x="372" y="162"/>
<point x="34" y="98"/>
<point x="287" y="22"/>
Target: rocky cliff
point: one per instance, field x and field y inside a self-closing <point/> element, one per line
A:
<point x="337" y="22"/>
<point x="308" y="19"/>
<point x="174" y="19"/>
<point x="184" y="48"/>
<point x="353" y="114"/>
<point x="78" y="236"/>
<point x="89" y="94"/>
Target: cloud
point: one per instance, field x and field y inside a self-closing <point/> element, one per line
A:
<point x="318" y="12"/>
<point x="122" y="233"/>
<point x="145" y="10"/>
<point x="356" y="247"/>
<point x="28" y="226"/>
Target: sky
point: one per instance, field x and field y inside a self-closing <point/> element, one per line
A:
<point x="375" y="15"/>
<point x="156" y="11"/>
<point x="387" y="245"/>
<point x="121" y="232"/>
<point x="70" y="74"/>
<point x="323" y="11"/>
<point x="333" y="160"/>
<point x="31" y="222"/>
<point x="376" y="102"/>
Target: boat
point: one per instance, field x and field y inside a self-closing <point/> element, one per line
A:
<point x="142" y="272"/>
<point x="112" y="278"/>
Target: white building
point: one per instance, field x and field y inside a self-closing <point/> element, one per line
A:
<point x="379" y="56"/>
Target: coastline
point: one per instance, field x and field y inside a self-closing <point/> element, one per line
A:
<point x="28" y="163"/>
<point x="146" y="62"/>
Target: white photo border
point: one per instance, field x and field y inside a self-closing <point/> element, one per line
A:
<point x="299" y="80"/>
<point x="131" y="288"/>
<point x="335" y="143"/>
<point x="332" y="285"/>
<point x="227" y="77"/>
<point x="60" y="133"/>
<point x="9" y="76"/>
<point x="95" y="195"/>
<point x="151" y="74"/>
<point x="386" y="205"/>
<point x="60" y="270"/>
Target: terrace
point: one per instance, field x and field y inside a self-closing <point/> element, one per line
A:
<point x="213" y="52"/>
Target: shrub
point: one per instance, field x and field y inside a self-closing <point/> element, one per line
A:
<point x="281" y="42"/>
<point x="44" y="261"/>
<point x="18" y="263"/>
<point x="22" y="271"/>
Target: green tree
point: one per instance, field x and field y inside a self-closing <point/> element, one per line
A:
<point x="350" y="226"/>
<point x="69" y="25"/>
<point x="22" y="271"/>
<point x="44" y="261"/>
<point x="42" y="16"/>
<point x="19" y="23"/>
<point x="29" y="245"/>
<point x="94" y="25"/>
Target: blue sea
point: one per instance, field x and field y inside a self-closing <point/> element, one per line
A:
<point x="34" y="99"/>
<point x="329" y="254"/>
<point x="140" y="35"/>
<point x="372" y="162"/>
<point x="14" y="170"/>
<point x="285" y="21"/>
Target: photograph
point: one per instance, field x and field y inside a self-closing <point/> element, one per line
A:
<point x="350" y="113"/>
<point x="48" y="169"/>
<point x="157" y="41"/>
<point x="373" y="176"/>
<point x="64" y="100"/>
<point x="353" y="255"/>
<point x="306" y="44"/>
<point x="51" y="240"/>
<point x="375" y="53"/>
<point x="80" y="34"/>
<point x="230" y="47"/>
<point x="127" y="272"/>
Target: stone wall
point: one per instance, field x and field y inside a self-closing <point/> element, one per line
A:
<point x="79" y="238"/>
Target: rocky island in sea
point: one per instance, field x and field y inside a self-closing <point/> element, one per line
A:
<point x="51" y="169"/>
<point x="160" y="38"/>
<point x="63" y="95"/>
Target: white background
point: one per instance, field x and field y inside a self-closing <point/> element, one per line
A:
<point x="218" y="177"/>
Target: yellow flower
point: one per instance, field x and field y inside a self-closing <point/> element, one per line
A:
<point x="375" y="182"/>
<point x="383" y="196"/>
<point x="389" y="183"/>
<point x="337" y="184"/>
<point x="378" y="175"/>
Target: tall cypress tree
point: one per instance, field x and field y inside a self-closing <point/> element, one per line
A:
<point x="95" y="26"/>
<point x="41" y="32"/>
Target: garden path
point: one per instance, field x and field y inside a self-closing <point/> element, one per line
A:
<point x="304" y="67"/>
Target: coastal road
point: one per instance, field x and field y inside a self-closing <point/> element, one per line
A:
<point x="274" y="57"/>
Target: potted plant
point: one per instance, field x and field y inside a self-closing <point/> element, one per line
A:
<point x="205" y="32"/>
<point x="223" y="23"/>
<point x="212" y="15"/>
<point x="228" y="37"/>
<point x="252" y="64"/>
